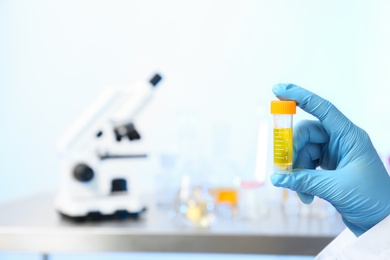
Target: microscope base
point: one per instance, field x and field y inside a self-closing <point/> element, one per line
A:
<point x="113" y="207"/>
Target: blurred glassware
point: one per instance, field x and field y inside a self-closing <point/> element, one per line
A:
<point x="194" y="206"/>
<point x="224" y="177"/>
<point x="253" y="205"/>
<point x="167" y="180"/>
<point x="254" y="192"/>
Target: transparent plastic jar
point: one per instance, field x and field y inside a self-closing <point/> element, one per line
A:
<point x="283" y="111"/>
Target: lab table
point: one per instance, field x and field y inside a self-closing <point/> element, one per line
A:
<point x="32" y="224"/>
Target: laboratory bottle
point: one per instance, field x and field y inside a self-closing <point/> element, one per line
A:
<point x="224" y="173"/>
<point x="193" y="206"/>
<point x="283" y="111"/>
<point x="254" y="192"/>
<point x="167" y="179"/>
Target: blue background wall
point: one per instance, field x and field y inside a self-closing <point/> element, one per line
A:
<point x="220" y="60"/>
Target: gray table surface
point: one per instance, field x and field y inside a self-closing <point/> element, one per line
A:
<point x="32" y="224"/>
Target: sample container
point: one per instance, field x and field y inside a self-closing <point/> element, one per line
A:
<point x="283" y="111"/>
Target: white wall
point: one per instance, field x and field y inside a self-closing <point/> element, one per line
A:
<point x="220" y="60"/>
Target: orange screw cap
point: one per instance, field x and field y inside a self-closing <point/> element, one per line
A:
<point x="283" y="107"/>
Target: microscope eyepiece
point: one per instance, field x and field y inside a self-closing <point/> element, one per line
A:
<point x="155" y="79"/>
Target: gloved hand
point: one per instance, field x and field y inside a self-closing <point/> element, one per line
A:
<point x="352" y="176"/>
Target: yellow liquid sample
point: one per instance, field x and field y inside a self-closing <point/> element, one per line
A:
<point x="198" y="209"/>
<point x="283" y="148"/>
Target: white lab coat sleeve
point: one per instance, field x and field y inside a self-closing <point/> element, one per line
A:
<point x="373" y="244"/>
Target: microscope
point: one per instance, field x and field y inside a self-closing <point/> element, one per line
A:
<point x="102" y="154"/>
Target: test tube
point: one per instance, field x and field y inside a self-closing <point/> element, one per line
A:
<point x="283" y="111"/>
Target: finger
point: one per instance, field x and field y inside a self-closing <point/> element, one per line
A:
<point x="305" y="198"/>
<point x="312" y="182"/>
<point x="331" y="118"/>
<point x="308" y="157"/>
<point x="283" y="180"/>
<point x="308" y="137"/>
<point x="309" y="131"/>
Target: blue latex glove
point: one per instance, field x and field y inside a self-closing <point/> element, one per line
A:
<point x="352" y="176"/>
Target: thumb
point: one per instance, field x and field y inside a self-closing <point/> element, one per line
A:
<point x="307" y="183"/>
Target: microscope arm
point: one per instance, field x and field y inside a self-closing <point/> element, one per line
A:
<point x="113" y="112"/>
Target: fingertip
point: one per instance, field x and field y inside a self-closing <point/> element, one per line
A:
<point x="280" y="88"/>
<point x="279" y="180"/>
<point x="277" y="88"/>
<point x="274" y="179"/>
<point x="305" y="198"/>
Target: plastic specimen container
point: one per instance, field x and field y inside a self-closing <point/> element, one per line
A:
<point x="283" y="111"/>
